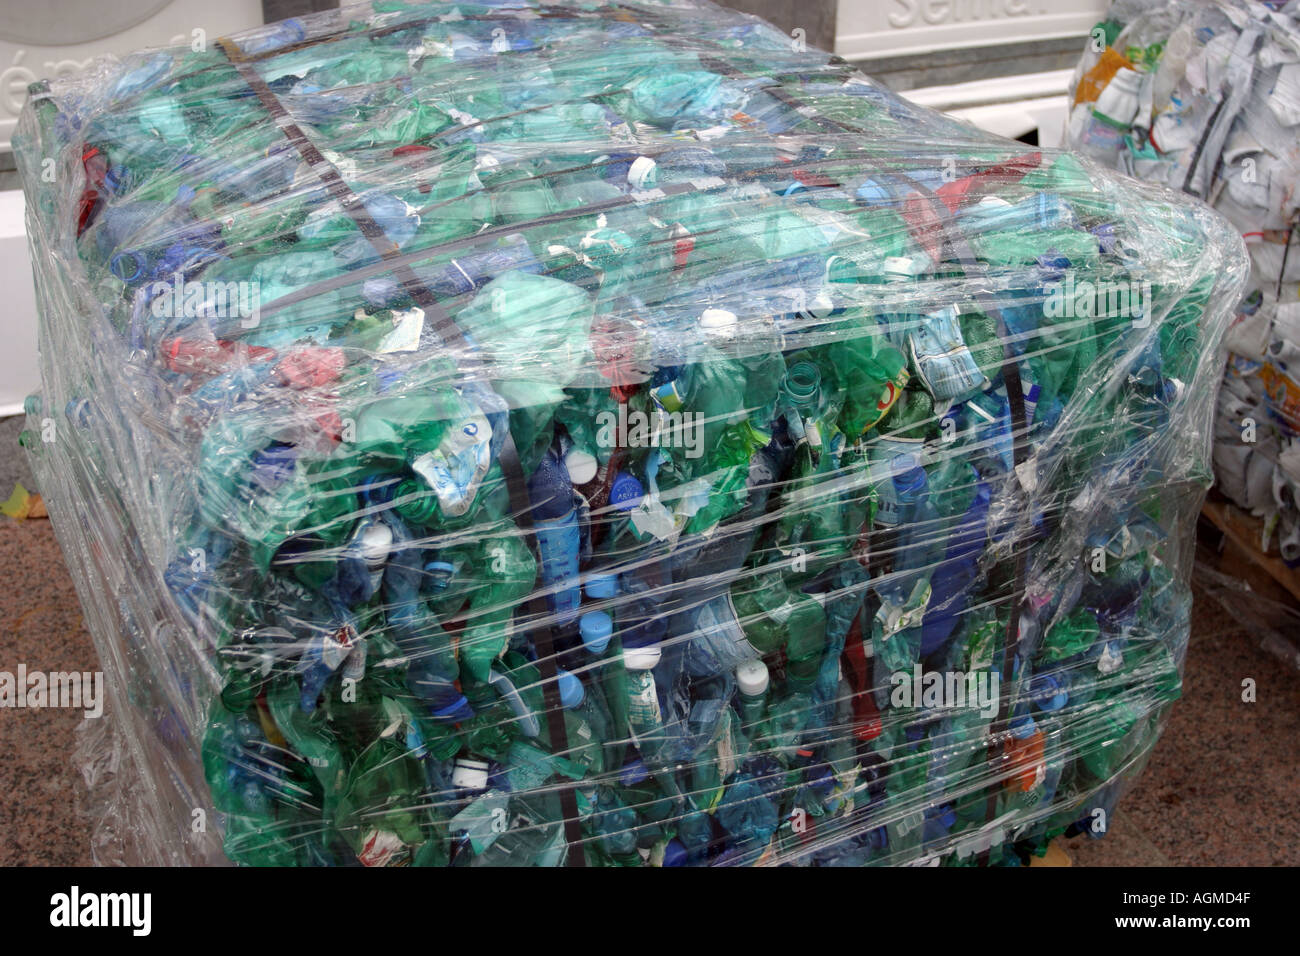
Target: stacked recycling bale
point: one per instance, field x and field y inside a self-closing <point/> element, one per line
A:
<point x="1205" y="97"/>
<point x="505" y="433"/>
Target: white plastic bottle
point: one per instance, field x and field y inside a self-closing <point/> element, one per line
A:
<point x="1173" y="64"/>
<point x="1118" y="103"/>
<point x="643" y="713"/>
<point x="1112" y="116"/>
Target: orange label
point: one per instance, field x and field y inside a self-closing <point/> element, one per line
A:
<point x="1026" y="757"/>
<point x="1098" y="78"/>
<point x="1283" y="392"/>
<point x="889" y="396"/>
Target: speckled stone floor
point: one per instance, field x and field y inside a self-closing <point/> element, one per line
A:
<point x="41" y="626"/>
<point x="1222" y="786"/>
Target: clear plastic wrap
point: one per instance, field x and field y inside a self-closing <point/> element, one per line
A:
<point x="516" y="433"/>
<point x="1205" y="97"/>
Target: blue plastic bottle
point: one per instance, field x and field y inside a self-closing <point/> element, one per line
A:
<point x="559" y="538"/>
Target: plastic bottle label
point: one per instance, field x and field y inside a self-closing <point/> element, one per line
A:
<point x="643" y="713"/>
<point x="557" y="540"/>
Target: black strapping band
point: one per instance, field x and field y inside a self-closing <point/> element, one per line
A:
<point x="451" y="335"/>
<point x="1010" y="376"/>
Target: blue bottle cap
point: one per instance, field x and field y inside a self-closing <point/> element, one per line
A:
<point x="1053" y="264"/>
<point x="378" y="489"/>
<point x="571" y="689"/>
<point x="1047" y="693"/>
<point x="675" y="853"/>
<point x="78" y="411"/>
<point x="127" y="266"/>
<point x="626" y="492"/>
<point x="633" y="773"/>
<point x="1023" y="727"/>
<point x="600" y="586"/>
<point x="454" y="712"/>
<point x="438" y="574"/>
<point x="595" y="628"/>
<point x="820" y="778"/>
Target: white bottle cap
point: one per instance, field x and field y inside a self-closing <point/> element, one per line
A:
<point x="376" y="543"/>
<point x="582" y="466"/>
<point x="717" y="319"/>
<point x="821" y="306"/>
<point x="470" y="774"/>
<point x="1110" y="661"/>
<point x="641" y="658"/>
<point x="899" y="266"/>
<point x="752" y="678"/>
<point x="641" y="174"/>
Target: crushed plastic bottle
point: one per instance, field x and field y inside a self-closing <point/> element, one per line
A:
<point x="1209" y="102"/>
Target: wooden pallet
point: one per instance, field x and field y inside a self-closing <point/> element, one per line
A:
<point x="1058" y="854"/>
<point x="1242" y="557"/>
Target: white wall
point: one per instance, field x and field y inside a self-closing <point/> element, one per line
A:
<point x="47" y="38"/>
<point x="18" y="373"/>
<point x="876" y="28"/>
<point x="40" y="39"/>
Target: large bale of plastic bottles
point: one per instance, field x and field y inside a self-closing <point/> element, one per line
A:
<point x="606" y="434"/>
<point x="1205" y="97"/>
